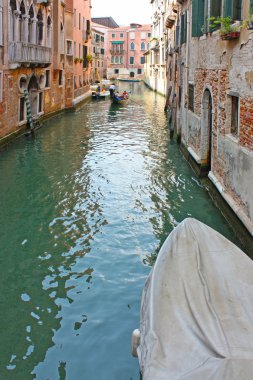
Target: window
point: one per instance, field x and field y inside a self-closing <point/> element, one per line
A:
<point x="80" y="81"/>
<point x="113" y="35"/>
<point x="102" y="51"/>
<point x="116" y="59"/>
<point x="203" y="9"/>
<point x="112" y="59"/>
<point x="121" y="60"/>
<point x="74" y="18"/>
<point x="40" y="102"/>
<point x="69" y="48"/>
<point x="97" y="38"/>
<point x="149" y="35"/>
<point x="79" y="21"/>
<point x="75" y="84"/>
<point x="60" y="78"/>
<point x="139" y="71"/>
<point x="191" y="97"/>
<point x="183" y="26"/>
<point x="142" y="60"/>
<point x="234" y="115"/>
<point x="132" y="46"/>
<point x="47" y="79"/>
<point x="21" y="116"/>
<point x="98" y="63"/>
<point x="143" y="46"/>
<point x="102" y="38"/>
<point x="88" y="25"/>
<point x="121" y="35"/>
<point x="84" y="56"/>
<point x="116" y="71"/>
<point x="131" y="60"/>
<point x="143" y="35"/>
<point x="79" y="55"/>
<point x="75" y="48"/>
<point x="233" y="9"/>
<point x="1" y="86"/>
<point x="132" y="35"/>
<point x="62" y="39"/>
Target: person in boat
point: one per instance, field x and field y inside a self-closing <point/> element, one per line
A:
<point x="124" y="95"/>
<point x="112" y="90"/>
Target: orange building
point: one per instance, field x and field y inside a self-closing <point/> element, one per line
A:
<point x="81" y="49"/>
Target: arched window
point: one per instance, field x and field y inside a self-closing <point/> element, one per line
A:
<point x="143" y="46"/>
<point x="30" y="29"/>
<point x="22" y="21"/>
<point x="132" y="46"/>
<point x="12" y="22"/>
<point x="40" y="28"/>
<point x="49" y="31"/>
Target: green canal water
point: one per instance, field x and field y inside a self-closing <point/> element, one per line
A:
<point x="83" y="205"/>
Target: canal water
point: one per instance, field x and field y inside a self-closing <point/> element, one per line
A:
<point x="85" y="205"/>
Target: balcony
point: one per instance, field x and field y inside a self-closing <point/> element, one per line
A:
<point x="22" y="53"/>
<point x="115" y="52"/>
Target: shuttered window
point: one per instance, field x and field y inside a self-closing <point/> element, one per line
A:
<point x="84" y="56"/>
<point x="198" y="17"/>
<point x="233" y="8"/>
<point x="215" y="8"/>
<point x="251" y="7"/>
<point x="183" y="26"/>
<point x="191" y="97"/>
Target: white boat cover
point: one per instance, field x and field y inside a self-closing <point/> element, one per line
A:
<point x="197" y="309"/>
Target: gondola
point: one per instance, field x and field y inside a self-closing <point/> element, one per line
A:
<point x="120" y="99"/>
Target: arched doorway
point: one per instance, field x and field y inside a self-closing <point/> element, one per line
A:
<point x="206" y="133"/>
<point x="33" y="94"/>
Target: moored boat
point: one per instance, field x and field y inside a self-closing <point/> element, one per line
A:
<point x="196" y="310"/>
<point x="100" y="95"/>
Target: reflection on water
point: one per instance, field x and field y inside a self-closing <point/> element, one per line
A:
<point x="84" y="204"/>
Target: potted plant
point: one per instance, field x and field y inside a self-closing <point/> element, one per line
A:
<point x="81" y="60"/>
<point x="227" y="30"/>
<point x="248" y="23"/>
<point x="89" y="58"/>
<point x="76" y="59"/>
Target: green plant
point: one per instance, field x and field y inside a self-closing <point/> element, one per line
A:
<point x="225" y="24"/>
<point x="89" y="57"/>
<point x="80" y="60"/>
<point x="76" y="59"/>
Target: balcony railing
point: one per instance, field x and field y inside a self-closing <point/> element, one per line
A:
<point x="115" y="52"/>
<point x="22" y="52"/>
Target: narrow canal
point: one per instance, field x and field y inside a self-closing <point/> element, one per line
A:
<point x="83" y="205"/>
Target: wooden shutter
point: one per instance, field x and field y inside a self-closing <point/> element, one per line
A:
<point x="228" y="8"/>
<point x="251" y="7"/>
<point x="215" y="8"/>
<point x="84" y="56"/>
<point x="198" y="11"/>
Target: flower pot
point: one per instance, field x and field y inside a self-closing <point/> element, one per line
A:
<point x="230" y="36"/>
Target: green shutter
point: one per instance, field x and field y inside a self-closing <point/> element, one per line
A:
<point x="215" y="8"/>
<point x="228" y="8"/>
<point x="198" y="11"/>
<point x="251" y="7"/>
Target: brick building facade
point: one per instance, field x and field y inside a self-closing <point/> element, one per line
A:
<point x="210" y="78"/>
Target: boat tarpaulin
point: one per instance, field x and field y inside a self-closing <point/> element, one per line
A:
<point x="197" y="309"/>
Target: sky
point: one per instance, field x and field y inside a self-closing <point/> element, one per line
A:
<point x="123" y="12"/>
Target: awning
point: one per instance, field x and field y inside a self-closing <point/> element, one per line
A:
<point x="117" y="42"/>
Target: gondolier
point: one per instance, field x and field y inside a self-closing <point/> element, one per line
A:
<point x="112" y="90"/>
